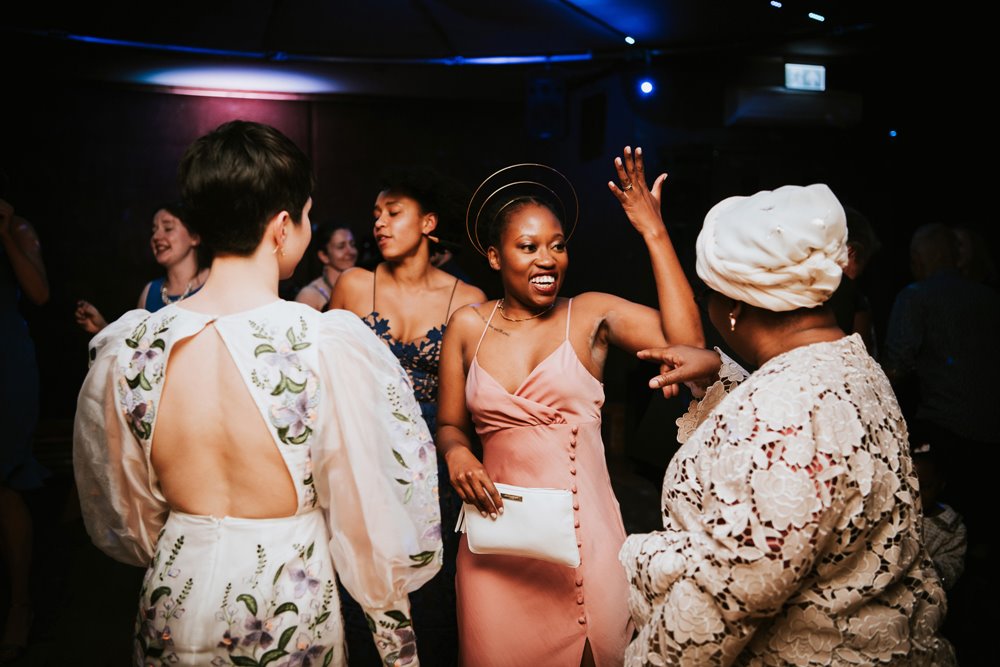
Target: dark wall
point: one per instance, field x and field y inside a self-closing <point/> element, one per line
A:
<point x="89" y="161"/>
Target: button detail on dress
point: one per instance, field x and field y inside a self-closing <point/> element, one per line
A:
<point x="575" y="430"/>
<point x="579" y="598"/>
<point x="572" y="470"/>
<point x="582" y="620"/>
<point x="579" y="581"/>
<point x="573" y="488"/>
<point x="576" y="505"/>
<point x="572" y="456"/>
<point x="576" y="524"/>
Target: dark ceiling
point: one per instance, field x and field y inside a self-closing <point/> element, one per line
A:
<point x="429" y="47"/>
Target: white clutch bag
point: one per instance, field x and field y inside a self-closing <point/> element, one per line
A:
<point x="536" y="523"/>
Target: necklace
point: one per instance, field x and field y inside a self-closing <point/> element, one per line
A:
<point x="522" y="319"/>
<point x="168" y="299"/>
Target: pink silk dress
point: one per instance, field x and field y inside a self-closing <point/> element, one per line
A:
<point x="516" y="611"/>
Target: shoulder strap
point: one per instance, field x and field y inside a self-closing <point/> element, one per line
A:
<point x="569" y="311"/>
<point x="454" y="287"/>
<point x="485" y="329"/>
<point x="374" y="277"/>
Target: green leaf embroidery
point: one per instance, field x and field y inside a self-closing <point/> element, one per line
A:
<point x="402" y="481"/>
<point x="302" y="437"/>
<point x="422" y="558"/>
<point x="399" y="459"/>
<point x="249" y="601"/>
<point x="391" y="658"/>
<point x="286" y="606"/>
<point x="293" y="386"/>
<point x="290" y="336"/>
<point x="368" y="619"/>
<point x="277" y="574"/>
<point x="159" y="593"/>
<point x="143" y="382"/>
<point x="322" y="617"/>
<point x="286" y="636"/>
<point x="272" y="655"/>
<point x="243" y="661"/>
<point x="262" y="348"/>
<point x="139" y="332"/>
<point x="134" y="382"/>
<point x="408" y="495"/>
<point x="131" y="343"/>
<point x="401" y="417"/>
<point x="309" y="551"/>
<point x="158" y="344"/>
<point x="328" y="658"/>
<point x="300" y="346"/>
<point x="397" y="616"/>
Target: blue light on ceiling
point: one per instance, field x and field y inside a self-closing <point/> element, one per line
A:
<point x="646" y="87"/>
<point x="775" y="3"/>
<point x="629" y="39"/>
<point x="817" y="17"/>
<point x="892" y="133"/>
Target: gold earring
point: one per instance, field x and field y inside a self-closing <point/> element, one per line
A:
<point x="732" y="321"/>
<point x="433" y="238"/>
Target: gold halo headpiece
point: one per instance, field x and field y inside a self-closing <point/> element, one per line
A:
<point x="508" y="185"/>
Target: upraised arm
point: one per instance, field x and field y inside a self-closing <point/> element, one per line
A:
<point x="679" y="316"/>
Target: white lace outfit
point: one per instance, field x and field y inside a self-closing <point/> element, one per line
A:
<point x="791" y="526"/>
<point x="341" y="412"/>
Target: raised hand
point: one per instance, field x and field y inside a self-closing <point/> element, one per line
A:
<point x="88" y="317"/>
<point x="694" y="366"/>
<point x="640" y="203"/>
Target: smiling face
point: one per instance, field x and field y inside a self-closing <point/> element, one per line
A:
<point x="340" y="252"/>
<point x="171" y="241"/>
<point x="400" y="225"/>
<point x="532" y="257"/>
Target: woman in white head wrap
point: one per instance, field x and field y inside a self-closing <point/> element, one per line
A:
<point x="791" y="514"/>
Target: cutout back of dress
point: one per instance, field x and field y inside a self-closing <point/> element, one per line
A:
<point x="211" y="444"/>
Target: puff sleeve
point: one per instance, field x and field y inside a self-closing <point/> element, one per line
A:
<point x="122" y="514"/>
<point x="376" y="479"/>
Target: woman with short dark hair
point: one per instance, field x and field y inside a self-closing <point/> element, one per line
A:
<point x="249" y="450"/>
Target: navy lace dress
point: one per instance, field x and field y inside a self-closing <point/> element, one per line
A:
<point x="433" y="605"/>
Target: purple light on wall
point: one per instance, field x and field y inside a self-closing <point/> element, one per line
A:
<point x="238" y="81"/>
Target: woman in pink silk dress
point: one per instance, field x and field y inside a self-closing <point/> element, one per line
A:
<point x="249" y="450"/>
<point x="527" y="369"/>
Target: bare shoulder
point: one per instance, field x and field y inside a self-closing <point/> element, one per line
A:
<point x="355" y="278"/>
<point x="466" y="293"/>
<point x="595" y="303"/>
<point x="469" y="318"/>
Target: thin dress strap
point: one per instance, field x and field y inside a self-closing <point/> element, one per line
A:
<point x="485" y="329"/>
<point x="447" y="313"/>
<point x="374" y="277"/>
<point x="569" y="311"/>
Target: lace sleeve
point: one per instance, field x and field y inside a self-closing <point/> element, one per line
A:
<point x="731" y="374"/>
<point x="748" y="518"/>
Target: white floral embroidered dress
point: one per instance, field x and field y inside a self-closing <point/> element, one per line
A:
<point x="224" y="591"/>
<point x="791" y="526"/>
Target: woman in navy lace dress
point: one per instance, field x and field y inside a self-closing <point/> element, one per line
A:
<point x="407" y="302"/>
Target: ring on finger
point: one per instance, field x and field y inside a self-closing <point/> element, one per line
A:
<point x="627" y="187"/>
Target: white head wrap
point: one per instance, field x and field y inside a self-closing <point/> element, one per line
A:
<point x="778" y="249"/>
